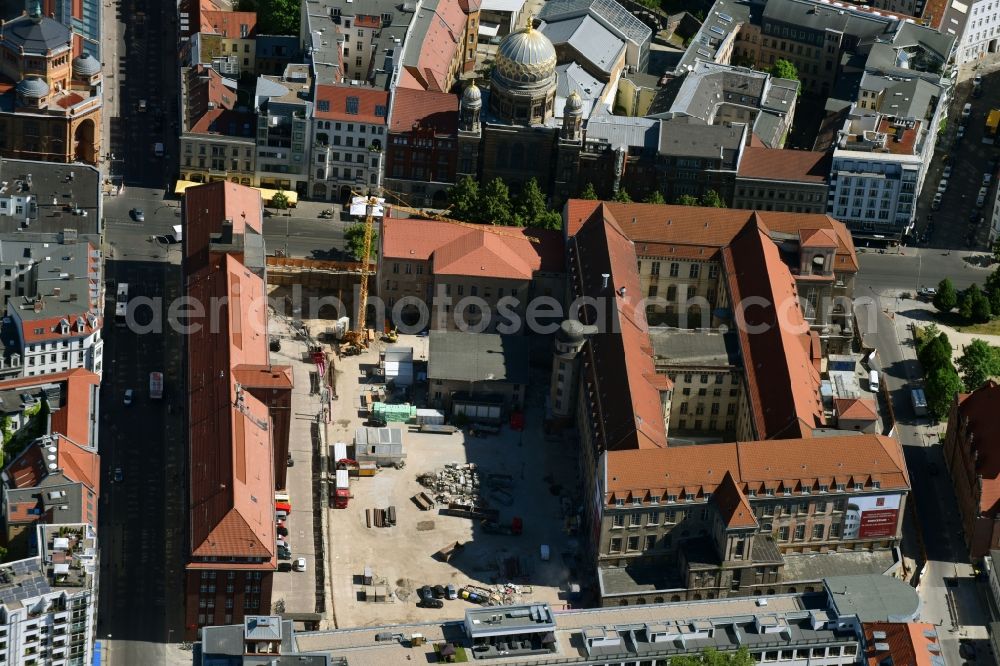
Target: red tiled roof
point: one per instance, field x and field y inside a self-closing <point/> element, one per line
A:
<point x="470" y="249"/>
<point x="909" y="644"/>
<point x="678" y="470"/>
<point x="817" y="238"/>
<point x="696" y="232"/>
<point x="627" y="405"/>
<point x="50" y="328"/>
<point x="855" y="409"/>
<point x="438" y="48"/>
<point x="436" y="110"/>
<point x="783" y="383"/>
<point x="264" y="376"/>
<point x="205" y="208"/>
<point x="207" y="98"/>
<point x="337" y="96"/>
<point x="228" y="24"/>
<point x="733" y="504"/>
<point x="806" y="166"/>
<point x="980" y="408"/>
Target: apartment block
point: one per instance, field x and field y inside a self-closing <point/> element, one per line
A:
<point x="792" y="181"/>
<point x="284" y="112"/>
<point x="48" y="602"/>
<point x="232" y="434"/>
<point x="217" y="141"/>
<point x="349" y="138"/>
<point x="422" y="159"/>
<point x="481" y="278"/>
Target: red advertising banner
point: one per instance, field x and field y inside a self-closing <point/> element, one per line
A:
<point x="878" y="523"/>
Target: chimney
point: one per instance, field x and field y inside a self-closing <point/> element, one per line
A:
<point x="56" y="291"/>
<point x="604" y="284"/>
<point x="39" y="304"/>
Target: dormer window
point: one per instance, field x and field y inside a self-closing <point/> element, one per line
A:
<point x="636" y="501"/>
<point x="859" y="486"/>
<point x="671" y="499"/>
<point x="619" y="502"/>
<point x="689" y="497"/>
<point x="654" y="499"/>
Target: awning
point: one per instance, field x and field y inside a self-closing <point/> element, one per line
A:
<point x="293" y="197"/>
<point x="488" y="29"/>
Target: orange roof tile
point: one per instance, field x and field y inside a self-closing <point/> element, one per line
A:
<point x="332" y="104"/>
<point x="472" y="249"/>
<point x="806" y="166"/>
<point x="906" y="145"/>
<point x="437" y="110"/>
<point x="438" y="47"/>
<point x="733" y="504"/>
<point x="817" y="238"/>
<point x="858" y="409"/>
<point x="908" y="643"/>
<point x="773" y="337"/>
<point x="619" y="354"/>
<point x="229" y="24"/>
<point x="264" y="376"/>
<point x="205" y="209"/>
<point x="755" y="465"/>
<point x="698" y="232"/>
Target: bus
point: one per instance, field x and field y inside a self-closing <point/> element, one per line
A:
<point x="121" y="304"/>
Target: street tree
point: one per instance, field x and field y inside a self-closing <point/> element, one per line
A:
<point x="532" y="210"/>
<point x="622" y="196"/>
<point x="978" y="363"/>
<point x="354" y="240"/>
<point x="711" y="199"/>
<point x="655" y="198"/>
<point x="968" y="300"/>
<point x="280" y="200"/>
<point x="494" y="204"/>
<point x="940" y="388"/>
<point x="464" y="200"/>
<point x="589" y="192"/>
<point x="936" y="353"/>
<point x="982" y="312"/>
<point x="945" y="299"/>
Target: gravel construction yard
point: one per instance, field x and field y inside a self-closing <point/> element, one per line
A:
<point x="543" y="477"/>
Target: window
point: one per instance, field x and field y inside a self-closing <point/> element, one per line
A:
<point x="618" y="520"/>
<point x="783" y="533"/>
<point x="633" y="543"/>
<point x="634" y="520"/>
<point x="352" y="105"/>
<point x="695" y="270"/>
<point x="615" y="545"/>
<point x="650" y="542"/>
<point x="654" y="268"/>
<point x="803" y="507"/>
<point x="675" y="269"/>
<point x="820" y="507"/>
<point x="323" y="104"/>
<point x="800" y="532"/>
<point x="817" y="532"/>
<point x="713" y="270"/>
<point x="835" y="531"/>
<point x="653" y="518"/>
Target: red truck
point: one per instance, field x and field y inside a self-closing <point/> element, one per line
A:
<point x="342" y="489"/>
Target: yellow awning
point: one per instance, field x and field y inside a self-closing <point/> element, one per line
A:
<point x="293" y="197"/>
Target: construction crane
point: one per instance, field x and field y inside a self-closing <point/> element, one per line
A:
<point x="373" y="205"/>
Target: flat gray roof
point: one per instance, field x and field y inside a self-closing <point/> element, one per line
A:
<point x="595" y="43"/>
<point x="873" y="598"/>
<point x="689" y="137"/>
<point x="685" y="347"/>
<point x="478" y="357"/>
<point x="60" y="189"/>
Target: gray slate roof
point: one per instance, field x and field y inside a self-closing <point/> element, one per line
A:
<point x="624" y="131"/>
<point x="590" y="39"/>
<point x="683" y="347"/>
<point x="688" y="137"/>
<point x="479" y="357"/>
<point x="35" y="36"/>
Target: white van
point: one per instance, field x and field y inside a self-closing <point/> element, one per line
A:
<point x="873" y="381"/>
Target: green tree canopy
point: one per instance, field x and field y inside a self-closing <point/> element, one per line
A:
<point x="936" y="353"/>
<point x="982" y="311"/>
<point x="785" y="69"/>
<point x="354" y="240"/>
<point x="940" y="388"/>
<point x="464" y="200"/>
<point x="622" y="196"/>
<point x="274" y="17"/>
<point x="686" y="200"/>
<point x="494" y="204"/>
<point x="711" y="199"/>
<point x="532" y="210"/>
<point x="655" y="198"/>
<point x="968" y="301"/>
<point x="712" y="657"/>
<point x="978" y="363"/>
<point x="946" y="298"/>
<point x="589" y="192"/>
<point x="279" y="201"/>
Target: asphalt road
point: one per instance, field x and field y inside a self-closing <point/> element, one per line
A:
<point x="914" y="268"/>
<point x="958" y="223"/>
<point x="946" y="583"/>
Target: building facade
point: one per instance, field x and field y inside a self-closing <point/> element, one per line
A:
<point x="421" y="154"/>
<point x="348" y="141"/>
<point x="284" y="130"/>
<point x="793" y="181"/>
<point x="54" y="113"/>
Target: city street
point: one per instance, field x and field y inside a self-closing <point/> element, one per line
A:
<point x="959" y="220"/>
<point x="913" y="268"/>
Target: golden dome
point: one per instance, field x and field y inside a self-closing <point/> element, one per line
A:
<point x="525" y="58"/>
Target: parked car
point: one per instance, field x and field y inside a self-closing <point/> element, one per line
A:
<point x="127" y="400"/>
<point x="138" y="215"/>
<point x="947" y="172"/>
<point x="978" y="80"/>
<point x="431" y="603"/>
<point x="451" y="592"/>
<point x="282" y="531"/>
<point x="961" y="134"/>
<point x="943" y="185"/>
<point x="284" y="555"/>
<point x="987" y="177"/>
<point x="966" y="111"/>
<point x="928" y="292"/>
<point x="936" y="203"/>
<point x="119" y="475"/>
<point x="425" y="592"/>
<point x="300" y="564"/>
<point x="438" y="591"/>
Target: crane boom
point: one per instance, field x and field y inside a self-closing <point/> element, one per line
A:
<point x="365" y="272"/>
